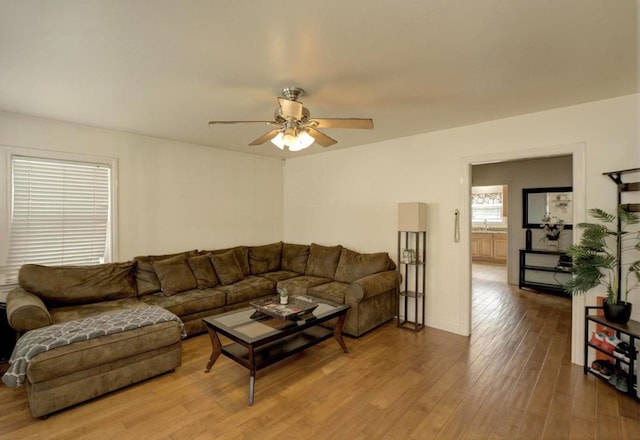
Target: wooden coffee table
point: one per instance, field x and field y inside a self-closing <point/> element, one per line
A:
<point x="260" y="340"/>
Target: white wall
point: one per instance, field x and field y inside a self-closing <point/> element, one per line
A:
<point x="350" y="196"/>
<point x="172" y="196"/>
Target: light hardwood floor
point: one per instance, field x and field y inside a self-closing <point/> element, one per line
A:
<point x="511" y="379"/>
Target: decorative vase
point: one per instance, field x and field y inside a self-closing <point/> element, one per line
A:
<point x="619" y="312"/>
<point x="552" y="245"/>
<point x="284" y="299"/>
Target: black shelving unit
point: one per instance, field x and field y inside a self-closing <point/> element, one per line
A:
<point x="544" y="274"/>
<point x="629" y="331"/>
<point x="623" y="187"/>
<point x="413" y="279"/>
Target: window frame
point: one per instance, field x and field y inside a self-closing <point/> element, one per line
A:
<point x="495" y="223"/>
<point x="7" y="154"/>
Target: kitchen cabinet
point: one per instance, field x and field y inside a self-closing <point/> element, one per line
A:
<point x="489" y="246"/>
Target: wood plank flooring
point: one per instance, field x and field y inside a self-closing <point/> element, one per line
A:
<point x="511" y="379"/>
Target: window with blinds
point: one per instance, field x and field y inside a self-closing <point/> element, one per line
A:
<point x="488" y="205"/>
<point x="59" y="214"/>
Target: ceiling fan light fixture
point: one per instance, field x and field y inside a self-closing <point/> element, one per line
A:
<point x="289" y="136"/>
<point x="277" y="141"/>
<point x="305" y="140"/>
<point x="293" y="128"/>
<point x="294" y="142"/>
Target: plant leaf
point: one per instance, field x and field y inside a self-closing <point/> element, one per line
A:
<point x="602" y="215"/>
<point x="628" y="217"/>
<point x="635" y="268"/>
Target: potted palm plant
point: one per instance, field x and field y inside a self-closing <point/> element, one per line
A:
<point x="600" y="258"/>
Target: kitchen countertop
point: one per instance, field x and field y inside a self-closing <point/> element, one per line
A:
<point x="489" y="231"/>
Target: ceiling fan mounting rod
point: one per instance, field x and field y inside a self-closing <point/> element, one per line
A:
<point x="292" y="93"/>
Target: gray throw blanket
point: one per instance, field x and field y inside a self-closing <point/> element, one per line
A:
<point x="47" y="338"/>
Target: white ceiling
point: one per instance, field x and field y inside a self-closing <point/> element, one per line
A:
<point x="164" y="68"/>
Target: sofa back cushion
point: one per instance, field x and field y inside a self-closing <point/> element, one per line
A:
<point x="242" y="255"/>
<point x="203" y="271"/>
<point x="294" y="257"/>
<point x="146" y="279"/>
<point x="227" y="267"/>
<point x="265" y="258"/>
<point x="175" y="275"/>
<point x="353" y="265"/>
<point x="323" y="260"/>
<point x="66" y="285"/>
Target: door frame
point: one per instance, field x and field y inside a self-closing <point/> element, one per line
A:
<point x="578" y="153"/>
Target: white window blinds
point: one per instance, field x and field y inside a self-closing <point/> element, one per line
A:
<point x="59" y="214"/>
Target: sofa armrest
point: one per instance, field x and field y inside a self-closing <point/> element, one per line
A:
<point x="25" y="311"/>
<point x="372" y="285"/>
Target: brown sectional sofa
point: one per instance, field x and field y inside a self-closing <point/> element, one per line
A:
<point x="192" y="285"/>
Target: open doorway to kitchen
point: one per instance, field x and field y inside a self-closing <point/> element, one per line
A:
<point x="489" y="226"/>
<point x="497" y="232"/>
<point x="523" y="169"/>
<point x="506" y="235"/>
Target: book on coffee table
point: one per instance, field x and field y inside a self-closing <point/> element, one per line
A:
<point x="295" y="308"/>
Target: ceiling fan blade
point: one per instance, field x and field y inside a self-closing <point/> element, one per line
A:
<point x="344" y="122"/>
<point x="241" y="122"/>
<point x="321" y="138"/>
<point x="266" y="137"/>
<point x="290" y="108"/>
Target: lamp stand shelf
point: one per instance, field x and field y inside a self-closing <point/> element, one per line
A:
<point x="412" y="272"/>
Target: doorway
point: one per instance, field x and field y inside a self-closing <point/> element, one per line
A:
<point x="574" y="154"/>
<point x="489" y="227"/>
<point x="517" y="175"/>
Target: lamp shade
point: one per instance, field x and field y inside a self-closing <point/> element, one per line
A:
<point x="294" y="142"/>
<point x="412" y="217"/>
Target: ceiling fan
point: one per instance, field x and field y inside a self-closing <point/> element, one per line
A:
<point x="294" y="127"/>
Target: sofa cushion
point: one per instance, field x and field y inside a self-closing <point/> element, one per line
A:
<point x="203" y="271"/>
<point x="294" y="257"/>
<point x="265" y="258"/>
<point x="323" y="260"/>
<point x="146" y="279"/>
<point x="175" y="275"/>
<point x="247" y="289"/>
<point x="26" y="311"/>
<point x="242" y="254"/>
<point x="353" y="265"/>
<point x="299" y="285"/>
<point x="227" y="267"/>
<point x="189" y="302"/>
<point x="334" y="291"/>
<point x="279" y="275"/>
<point x="57" y="285"/>
<point x="71" y="313"/>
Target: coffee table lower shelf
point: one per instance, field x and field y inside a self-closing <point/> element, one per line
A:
<point x="278" y="350"/>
